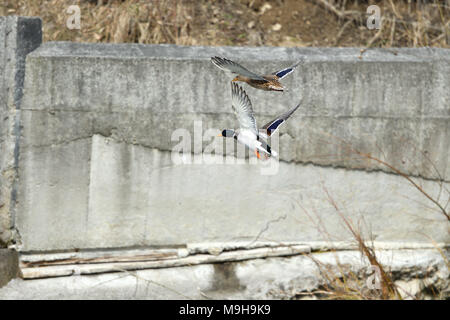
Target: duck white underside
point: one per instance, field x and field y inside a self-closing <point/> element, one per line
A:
<point x="248" y="138"/>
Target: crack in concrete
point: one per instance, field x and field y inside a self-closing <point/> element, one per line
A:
<point x="266" y="227"/>
<point x="366" y="170"/>
<point x="107" y="109"/>
<point x="305" y="163"/>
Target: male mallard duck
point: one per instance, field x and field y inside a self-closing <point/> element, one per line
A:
<point x="268" y="82"/>
<point x="248" y="133"/>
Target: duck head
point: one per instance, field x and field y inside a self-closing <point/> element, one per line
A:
<point x="227" y="133"/>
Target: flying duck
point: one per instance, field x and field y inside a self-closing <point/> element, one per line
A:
<point x="248" y="133"/>
<point x="268" y="82"/>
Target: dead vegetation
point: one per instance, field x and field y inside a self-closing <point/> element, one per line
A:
<point x="343" y="283"/>
<point x="407" y="23"/>
<point x="387" y="286"/>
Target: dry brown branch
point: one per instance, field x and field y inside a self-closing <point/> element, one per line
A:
<point x="388" y="287"/>
<point x="377" y="35"/>
<point x="404" y="175"/>
<point x="332" y="8"/>
<point x="394" y="9"/>
<point x="339" y="35"/>
<point x="391" y="41"/>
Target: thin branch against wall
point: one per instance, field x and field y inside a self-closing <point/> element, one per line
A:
<point x="404" y="175"/>
<point x="365" y="155"/>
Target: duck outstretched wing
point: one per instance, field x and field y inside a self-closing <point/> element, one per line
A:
<point x="233" y="67"/>
<point x="272" y="126"/>
<point x="242" y="107"/>
<point x="284" y="72"/>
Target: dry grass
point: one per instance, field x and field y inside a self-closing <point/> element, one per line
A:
<point x="341" y="281"/>
<point x="403" y="23"/>
<point x="347" y="285"/>
<point x="249" y="22"/>
<point x="186" y="22"/>
<point x="347" y="282"/>
<point x="388" y="288"/>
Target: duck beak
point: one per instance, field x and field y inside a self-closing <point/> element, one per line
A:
<point x="220" y="135"/>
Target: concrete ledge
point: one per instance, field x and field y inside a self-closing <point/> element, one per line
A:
<point x="9" y="266"/>
<point x="416" y="272"/>
<point x="45" y="265"/>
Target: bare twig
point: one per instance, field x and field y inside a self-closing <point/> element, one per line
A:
<point x="397" y="171"/>
<point x="391" y="41"/>
<point x="404" y="175"/>
<point x="332" y="8"/>
<point x="388" y="287"/>
<point x="338" y="37"/>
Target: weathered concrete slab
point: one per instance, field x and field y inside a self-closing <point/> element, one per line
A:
<point x="415" y="272"/>
<point x="18" y="37"/>
<point x="55" y="195"/>
<point x="88" y="262"/>
<point x="100" y="193"/>
<point x="9" y="266"/>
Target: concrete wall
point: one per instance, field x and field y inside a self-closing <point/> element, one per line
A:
<point x="86" y="142"/>
<point x="18" y="37"/>
<point x="385" y="104"/>
<point x="95" y="164"/>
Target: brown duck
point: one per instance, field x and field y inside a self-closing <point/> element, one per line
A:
<point x="268" y="82"/>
